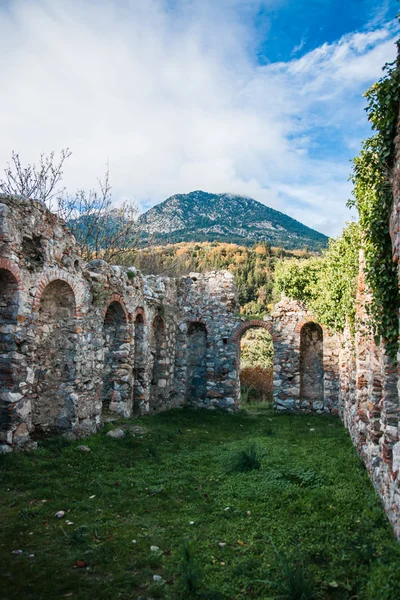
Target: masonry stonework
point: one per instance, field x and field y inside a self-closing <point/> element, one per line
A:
<point x="370" y="385"/>
<point x="79" y="340"/>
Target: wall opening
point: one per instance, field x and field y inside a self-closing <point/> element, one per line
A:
<point x="256" y="365"/>
<point x="311" y="363"/>
<point x="158" y="350"/>
<point x="8" y="322"/>
<point x="32" y="252"/>
<point x="140" y="361"/>
<point x="55" y="341"/>
<point x="196" y="362"/>
<point x="117" y="370"/>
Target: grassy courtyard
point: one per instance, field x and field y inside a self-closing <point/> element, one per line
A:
<point x="170" y="511"/>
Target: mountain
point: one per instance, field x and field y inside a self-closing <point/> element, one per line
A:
<point x="200" y="216"/>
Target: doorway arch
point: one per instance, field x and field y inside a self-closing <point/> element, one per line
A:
<point x="254" y="341"/>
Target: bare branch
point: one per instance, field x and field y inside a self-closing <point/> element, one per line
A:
<point x="34" y="182"/>
<point x="102" y="230"/>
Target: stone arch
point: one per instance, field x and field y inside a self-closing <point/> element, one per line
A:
<point x="139" y="369"/>
<point x="159" y="353"/>
<point x="196" y="387"/>
<point x="53" y="397"/>
<point x="117" y="383"/>
<point x="240" y="329"/>
<point x="9" y="299"/>
<point x="140" y="311"/>
<point x="116" y="298"/>
<point x="263" y="380"/>
<point x="59" y="275"/>
<point x="8" y="265"/>
<point x="311" y="363"/>
<point x="305" y="321"/>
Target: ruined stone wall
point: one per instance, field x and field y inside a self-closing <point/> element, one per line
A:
<point x="67" y="331"/>
<point x="211" y="300"/>
<point x="79" y="340"/>
<point x="288" y="326"/>
<point x="306" y="374"/>
<point x="369" y="406"/>
<point x="370" y="387"/>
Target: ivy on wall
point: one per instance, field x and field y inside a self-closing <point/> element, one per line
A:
<point x="328" y="285"/>
<point x="373" y="198"/>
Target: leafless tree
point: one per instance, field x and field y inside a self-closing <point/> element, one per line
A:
<point x="101" y="229"/>
<point x="37" y="182"/>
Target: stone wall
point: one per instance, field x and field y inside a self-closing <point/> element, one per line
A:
<point x="369" y="406"/>
<point x="370" y="386"/>
<point x="79" y="340"/>
<point x="298" y="384"/>
<point x="288" y="326"/>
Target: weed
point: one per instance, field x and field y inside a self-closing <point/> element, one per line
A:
<point x="190" y="572"/>
<point x="294" y="583"/>
<point x="243" y="461"/>
<point x="268" y="432"/>
<point x="153" y="452"/>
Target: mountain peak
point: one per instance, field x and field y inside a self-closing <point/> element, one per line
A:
<point x="203" y="216"/>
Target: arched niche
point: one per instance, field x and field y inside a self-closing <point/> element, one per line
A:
<point x="8" y="322"/>
<point x="117" y="370"/>
<point x="158" y="351"/>
<point x="139" y="372"/>
<point x="196" y="362"/>
<point x="53" y="407"/>
<point x="311" y="363"/>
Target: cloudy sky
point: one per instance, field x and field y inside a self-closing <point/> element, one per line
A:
<point x="257" y="97"/>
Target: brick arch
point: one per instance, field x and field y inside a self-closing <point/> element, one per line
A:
<point x="140" y="311"/>
<point x="240" y="329"/>
<point x="7" y="265"/>
<point x="303" y="322"/>
<point x="117" y="298"/>
<point x="58" y="275"/>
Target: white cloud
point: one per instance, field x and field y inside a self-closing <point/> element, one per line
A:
<point x="175" y="101"/>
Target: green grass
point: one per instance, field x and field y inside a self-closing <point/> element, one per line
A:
<point x="307" y="524"/>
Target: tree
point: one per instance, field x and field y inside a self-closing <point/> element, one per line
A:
<point x="327" y="285"/>
<point x="101" y="229"/>
<point x="35" y="182"/>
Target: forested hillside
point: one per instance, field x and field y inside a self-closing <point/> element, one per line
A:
<point x="253" y="266"/>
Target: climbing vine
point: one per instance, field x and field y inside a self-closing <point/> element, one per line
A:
<point x="373" y="198"/>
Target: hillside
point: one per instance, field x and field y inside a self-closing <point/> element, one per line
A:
<point x="252" y="266"/>
<point x="200" y="216"/>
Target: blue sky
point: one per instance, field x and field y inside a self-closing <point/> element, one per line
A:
<point x="256" y="97"/>
<point x="294" y="28"/>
